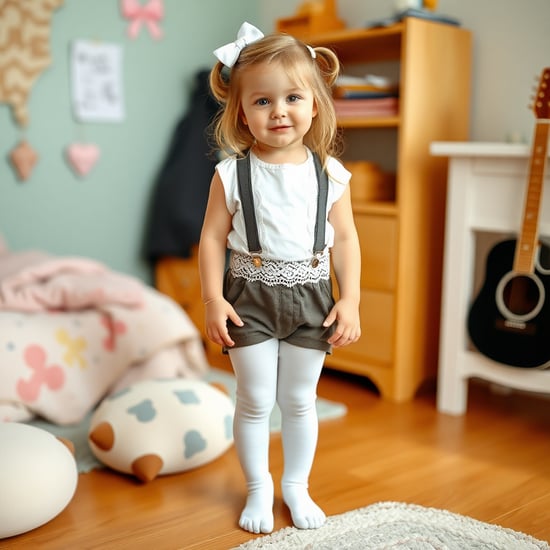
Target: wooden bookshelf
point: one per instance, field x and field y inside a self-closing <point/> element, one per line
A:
<point x="402" y="240"/>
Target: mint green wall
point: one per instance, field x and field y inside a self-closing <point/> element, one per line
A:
<point x="102" y="215"/>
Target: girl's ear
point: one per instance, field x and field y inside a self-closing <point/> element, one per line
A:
<point x="243" y="117"/>
<point x="314" y="110"/>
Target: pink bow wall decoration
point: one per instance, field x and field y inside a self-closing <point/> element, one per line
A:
<point x="148" y="14"/>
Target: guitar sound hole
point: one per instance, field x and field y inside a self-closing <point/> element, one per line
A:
<point x="520" y="297"/>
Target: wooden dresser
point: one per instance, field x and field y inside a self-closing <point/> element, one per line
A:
<point x="402" y="239"/>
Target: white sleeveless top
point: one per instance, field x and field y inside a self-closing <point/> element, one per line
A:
<point x="285" y="199"/>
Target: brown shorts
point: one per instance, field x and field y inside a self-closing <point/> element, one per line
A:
<point x="294" y="314"/>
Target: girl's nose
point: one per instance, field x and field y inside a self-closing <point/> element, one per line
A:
<point x="279" y="109"/>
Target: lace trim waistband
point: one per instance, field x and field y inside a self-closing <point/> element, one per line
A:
<point x="278" y="272"/>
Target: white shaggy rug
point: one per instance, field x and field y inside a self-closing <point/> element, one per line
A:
<point x="390" y="525"/>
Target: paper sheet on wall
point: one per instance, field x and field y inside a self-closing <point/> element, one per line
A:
<point x="96" y="74"/>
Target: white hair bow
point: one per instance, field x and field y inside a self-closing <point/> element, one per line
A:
<point x="229" y="53"/>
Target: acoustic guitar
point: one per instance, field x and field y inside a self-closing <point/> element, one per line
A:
<point x="509" y="321"/>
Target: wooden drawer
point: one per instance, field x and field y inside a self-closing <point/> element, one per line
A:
<point x="377" y="329"/>
<point x="378" y="240"/>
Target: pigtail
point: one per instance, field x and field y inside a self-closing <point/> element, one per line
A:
<point x="219" y="82"/>
<point x="328" y="63"/>
<point x="219" y="90"/>
<point x="323" y="137"/>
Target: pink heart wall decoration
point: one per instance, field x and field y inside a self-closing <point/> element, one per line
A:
<point x="82" y="157"/>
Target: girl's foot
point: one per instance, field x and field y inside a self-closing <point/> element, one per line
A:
<point x="305" y="513"/>
<point x="257" y="516"/>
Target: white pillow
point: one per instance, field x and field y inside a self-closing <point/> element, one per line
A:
<point x="38" y="477"/>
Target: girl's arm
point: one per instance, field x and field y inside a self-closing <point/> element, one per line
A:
<point x="212" y="253"/>
<point x="346" y="261"/>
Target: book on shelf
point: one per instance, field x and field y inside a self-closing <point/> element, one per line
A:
<point x="366" y="91"/>
<point x="364" y="107"/>
<point x="367" y="86"/>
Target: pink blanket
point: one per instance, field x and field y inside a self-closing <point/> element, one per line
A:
<point x="59" y="365"/>
<point x="35" y="281"/>
<point x="69" y="337"/>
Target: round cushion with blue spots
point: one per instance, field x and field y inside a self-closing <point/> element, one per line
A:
<point x="157" y="427"/>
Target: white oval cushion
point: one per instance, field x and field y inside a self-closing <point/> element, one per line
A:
<point x="157" y="427"/>
<point x="38" y="477"/>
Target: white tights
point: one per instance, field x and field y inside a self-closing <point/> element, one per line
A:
<point x="269" y="372"/>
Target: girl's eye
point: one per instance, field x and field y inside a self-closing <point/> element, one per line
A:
<point x="293" y="98"/>
<point x="262" y="101"/>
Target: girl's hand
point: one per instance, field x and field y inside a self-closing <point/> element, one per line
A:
<point x="218" y="311"/>
<point x="348" y="327"/>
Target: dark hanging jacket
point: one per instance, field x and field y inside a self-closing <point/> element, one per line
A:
<point x="181" y="190"/>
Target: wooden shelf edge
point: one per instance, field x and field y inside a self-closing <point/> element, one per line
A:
<point x="349" y="35"/>
<point x="369" y="122"/>
<point x="363" y="45"/>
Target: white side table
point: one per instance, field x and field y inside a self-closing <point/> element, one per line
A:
<point x="486" y="188"/>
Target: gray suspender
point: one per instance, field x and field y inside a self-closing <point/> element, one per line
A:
<point x="245" y="190"/>
<point x="322" y="196"/>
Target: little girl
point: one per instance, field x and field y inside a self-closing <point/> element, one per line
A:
<point x="272" y="204"/>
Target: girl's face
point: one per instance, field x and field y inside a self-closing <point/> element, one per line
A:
<point x="277" y="110"/>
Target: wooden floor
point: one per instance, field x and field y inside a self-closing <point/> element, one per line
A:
<point x="492" y="464"/>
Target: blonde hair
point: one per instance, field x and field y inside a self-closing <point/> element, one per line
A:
<point x="230" y="132"/>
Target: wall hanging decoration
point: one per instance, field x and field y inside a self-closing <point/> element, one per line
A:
<point x="23" y="158"/>
<point x="82" y="157"/>
<point x="24" y="54"/>
<point x="24" y="50"/>
<point x="148" y="14"/>
<point x="96" y="81"/>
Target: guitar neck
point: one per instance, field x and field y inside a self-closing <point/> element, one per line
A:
<point x="524" y="260"/>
